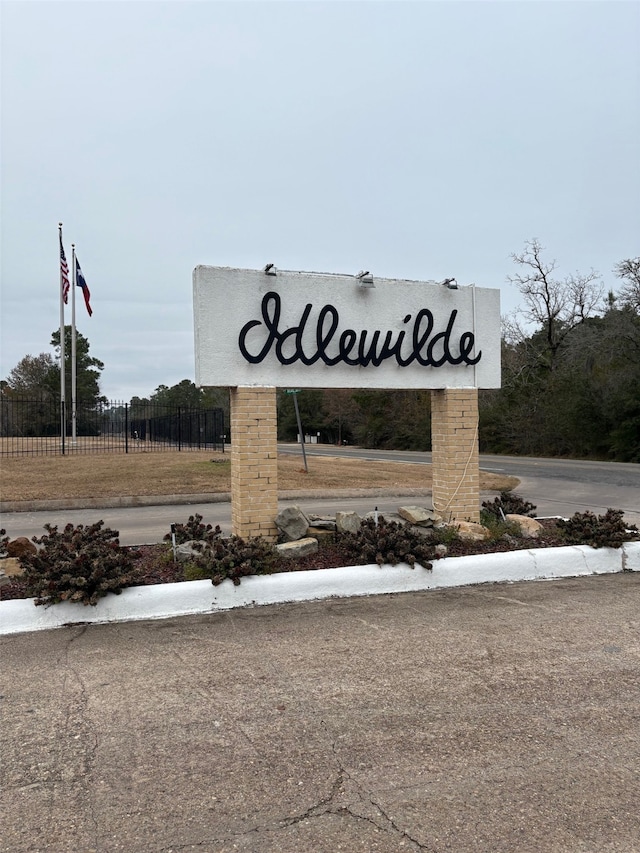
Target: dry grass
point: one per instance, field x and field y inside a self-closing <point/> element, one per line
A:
<point x="197" y="472"/>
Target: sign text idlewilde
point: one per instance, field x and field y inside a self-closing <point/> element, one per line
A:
<point x="417" y="343"/>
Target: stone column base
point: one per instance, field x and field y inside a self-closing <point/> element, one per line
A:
<point x="254" y="462"/>
<point x="454" y="444"/>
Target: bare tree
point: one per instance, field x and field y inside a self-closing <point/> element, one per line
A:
<point x="555" y="305"/>
<point x="629" y="271"/>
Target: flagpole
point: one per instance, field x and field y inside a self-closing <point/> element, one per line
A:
<point x="74" y="284"/>
<point x="62" y="376"/>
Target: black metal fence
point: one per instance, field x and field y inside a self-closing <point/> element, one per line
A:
<point x="34" y="427"/>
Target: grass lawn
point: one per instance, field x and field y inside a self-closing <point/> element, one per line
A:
<point x="197" y="472"/>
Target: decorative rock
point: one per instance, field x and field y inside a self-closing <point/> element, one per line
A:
<point x="322" y="522"/>
<point x="419" y="515"/>
<point x="11" y="567"/>
<point x="529" y="527"/>
<point x="441" y="550"/>
<point x="299" y="548"/>
<point x="293" y="523"/>
<point x="4" y="580"/>
<point x="388" y="516"/>
<point x="470" y="531"/>
<point x="348" y="522"/>
<point x="187" y="551"/>
<point x="21" y="545"/>
<point x="321" y="532"/>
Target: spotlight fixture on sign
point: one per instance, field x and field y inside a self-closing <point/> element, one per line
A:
<point x="270" y="269"/>
<point x="451" y="283"/>
<point x="365" y="279"/>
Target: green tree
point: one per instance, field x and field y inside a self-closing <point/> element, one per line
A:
<point x="311" y="414"/>
<point x="140" y="407"/>
<point x="607" y="356"/>
<point x="88" y="369"/>
<point x="339" y="410"/>
<point x="186" y="394"/>
<point x="579" y="397"/>
<point x="30" y="397"/>
<point x="36" y="376"/>
<point x="394" y="419"/>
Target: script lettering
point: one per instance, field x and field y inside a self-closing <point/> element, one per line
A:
<point x="356" y="348"/>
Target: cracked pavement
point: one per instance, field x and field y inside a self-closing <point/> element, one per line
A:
<point x="502" y="717"/>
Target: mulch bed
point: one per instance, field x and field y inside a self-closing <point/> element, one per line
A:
<point x="153" y="564"/>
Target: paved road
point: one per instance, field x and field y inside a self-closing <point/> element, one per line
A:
<point x="556" y="487"/>
<point x="616" y="474"/>
<point x="500" y="718"/>
<point x="149" y="524"/>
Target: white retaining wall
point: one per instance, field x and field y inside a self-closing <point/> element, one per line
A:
<point x="164" y="601"/>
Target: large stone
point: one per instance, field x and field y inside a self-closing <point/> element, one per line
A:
<point x="472" y="532"/>
<point x="419" y="515"/>
<point x="322" y="522"/>
<point x="299" y="548"/>
<point x="388" y="516"/>
<point x="321" y="532"/>
<point x="20" y="546"/>
<point x="11" y="567"/>
<point x="529" y="527"/>
<point x="348" y="522"/>
<point x="189" y="550"/>
<point x="293" y="523"/>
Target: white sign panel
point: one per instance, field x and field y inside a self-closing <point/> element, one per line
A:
<point x="313" y="330"/>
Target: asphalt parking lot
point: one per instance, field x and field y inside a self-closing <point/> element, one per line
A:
<point x="502" y="717"/>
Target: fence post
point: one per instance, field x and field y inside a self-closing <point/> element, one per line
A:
<point x="126" y="427"/>
<point x="179" y="428"/>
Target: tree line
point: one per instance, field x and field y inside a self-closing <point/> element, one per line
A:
<point x="570" y="366"/>
<point x="38" y="376"/>
<point x="570" y="378"/>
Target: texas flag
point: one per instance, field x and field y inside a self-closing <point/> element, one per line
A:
<point x="80" y="281"/>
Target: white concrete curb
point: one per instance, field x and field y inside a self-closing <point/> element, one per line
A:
<point x="163" y="601"/>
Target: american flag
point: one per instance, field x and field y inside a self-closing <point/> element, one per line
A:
<point x="64" y="274"/>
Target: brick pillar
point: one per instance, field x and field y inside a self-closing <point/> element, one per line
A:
<point x="454" y="444"/>
<point x="254" y="462"/>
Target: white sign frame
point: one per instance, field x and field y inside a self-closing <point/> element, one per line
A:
<point x="318" y="330"/>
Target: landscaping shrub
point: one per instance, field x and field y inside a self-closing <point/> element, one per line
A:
<point x="233" y="558"/>
<point x="508" y="503"/>
<point x="498" y="527"/>
<point x="193" y="572"/>
<point x="81" y="563"/>
<point x="388" y="542"/>
<point x="194" y="529"/>
<point x="602" y="531"/>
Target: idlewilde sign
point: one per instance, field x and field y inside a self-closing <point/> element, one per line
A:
<point x="328" y="331"/>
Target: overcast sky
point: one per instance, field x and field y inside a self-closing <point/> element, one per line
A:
<point x="417" y="140"/>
